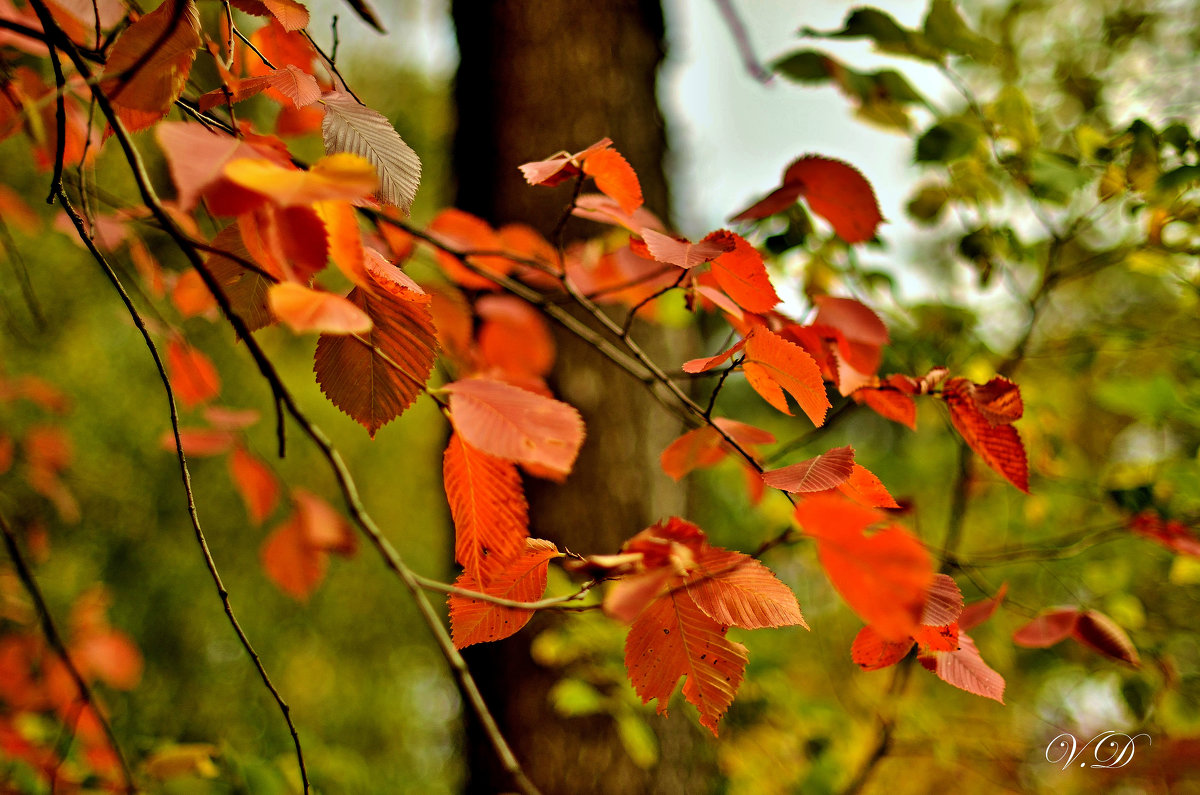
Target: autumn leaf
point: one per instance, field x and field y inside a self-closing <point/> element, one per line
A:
<point x="774" y="365"/>
<point x="461" y="231"/>
<point x="1088" y="627"/>
<point x="705" y="447"/>
<point x="965" y="669"/>
<point x="672" y="638"/>
<point x="352" y="127"/>
<point x="296" y="553"/>
<point x="487" y="504"/>
<point x="834" y="190"/>
<point x="884" y="577"/>
<point x="864" y="488"/>
<point x="558" y="169"/>
<point x="522" y="580"/>
<point x="999" y="446"/>
<point x="684" y="253"/>
<point x="853" y="318"/>
<point x="375" y="378"/>
<point x="826" y="471"/>
<point x="148" y="66"/>
<point x="334" y="177"/>
<point x="736" y="590"/>
<point x="614" y="177"/>
<point x="873" y="652"/>
<point x="708" y="363"/>
<point x="383" y="275"/>
<point x="193" y="376"/>
<point x="291" y="14"/>
<point x="306" y="310"/>
<point x="743" y="276"/>
<point x="255" y="483"/>
<point x="516" y="425"/>
<point x="199" y="442"/>
<point x="298" y="86"/>
<point x="245" y="289"/>
<point x="197" y="156"/>
<point x="514" y="337"/>
<point x="976" y="613"/>
<point x="1171" y="533"/>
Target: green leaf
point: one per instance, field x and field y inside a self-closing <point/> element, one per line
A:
<point x="945" y="28"/>
<point x="637" y="739"/>
<point x="1178" y="178"/>
<point x="574" y="697"/>
<point x="946" y="141"/>
<point x="927" y="204"/>
<point x="804" y="66"/>
<point x="888" y="35"/>
<point x="1055" y="177"/>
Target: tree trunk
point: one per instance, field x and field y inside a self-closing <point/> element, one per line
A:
<point x="536" y="78"/>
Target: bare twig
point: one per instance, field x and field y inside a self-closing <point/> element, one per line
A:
<point x="742" y="39"/>
<point x="561" y="603"/>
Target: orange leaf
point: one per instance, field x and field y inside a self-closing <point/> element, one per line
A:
<point x="110" y="656"/>
<point x="556" y="170"/>
<point x="255" y="482"/>
<point x="1049" y="628"/>
<point x="376" y="381"/>
<point x="737" y="590"/>
<point x="198" y="441"/>
<point x="773" y="365"/>
<point x="826" y="471"/>
<point x="390" y="279"/>
<point x="303" y="310"/>
<point x="871" y="651"/>
<point x="464" y="232"/>
<point x="341" y="176"/>
<point x="976" y="613"/>
<point x="514" y="337"/>
<point x="325" y="528"/>
<point x="890" y="404"/>
<point x="743" y="276"/>
<point x="673" y="638"/>
<point x="854" y="319"/>
<point x="345" y="239"/>
<point x="614" y="177"/>
<point x="703" y="365"/>
<point x="196" y="157"/>
<point x="884" y="577"/>
<point x="603" y="210"/>
<point x="683" y="252"/>
<point x="245" y="289"/>
<point x="163" y="45"/>
<point x="291" y="560"/>
<point x="998" y="445"/>
<point x="295" y="84"/>
<point x="999" y="400"/>
<point x="522" y="580"/>
<point x="192" y="374"/>
<point x="516" y="425"/>
<point x="191" y="296"/>
<point x="866" y="489"/>
<point x="488" y="506"/>
<point x="944" y="602"/>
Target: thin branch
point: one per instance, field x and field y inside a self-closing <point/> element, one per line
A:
<point x="60" y="107"/>
<point x="561" y="603"/>
<point x="185" y="473"/>
<point x="345" y="481"/>
<point x="742" y="39"/>
<point x="60" y="648"/>
<point x="628" y="324"/>
<point x="716" y="390"/>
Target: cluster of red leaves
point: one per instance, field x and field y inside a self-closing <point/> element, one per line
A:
<point x="35" y="680"/>
<point x="1171" y="533"/>
<point x="1091" y="628"/>
<point x="944" y="647"/>
<point x="680" y="595"/>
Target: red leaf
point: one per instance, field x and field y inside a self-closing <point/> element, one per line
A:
<point x="934" y="638"/>
<point x="773" y="364"/>
<point x="998" y="445"/>
<point x="826" y="471"/>
<point x="245" y="289"/>
<point x="614" y="177"/>
<point x="603" y="210"/>
<point x="488" y="506"/>
<point x="683" y="252"/>
<point x="736" y="590"/>
<point x="464" y="232"/>
<point x="305" y="310"/>
<point x="673" y="638"/>
<point x="871" y="651"/>
<point x="522" y="580"/>
<point x="375" y="382"/>
<point x="556" y="170"/>
<point x="1172" y="534"/>
<point x="884" y="577"/>
<point x="516" y="425"/>
<point x="743" y="276"/>
<point x="864" y="488"/>
<point x="111" y="656"/>
<point x="192" y="374"/>
<point x="976" y="613"/>
<point x="839" y="193"/>
<point x="198" y="441"/>
<point x="890" y="404"/>
<point x="144" y="96"/>
<point x="255" y="482"/>
<point x="389" y="278"/>
<point x="834" y="190"/>
<point x="1100" y="633"/>
<point x="196" y="157"/>
<point x="999" y="400"/>
<point x="1049" y="628"/>
<point x="853" y="318"/>
<point x="966" y="670"/>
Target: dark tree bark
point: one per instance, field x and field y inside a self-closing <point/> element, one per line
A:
<point x="536" y="78"/>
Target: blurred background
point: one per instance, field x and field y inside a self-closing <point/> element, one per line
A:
<point x="1048" y="242"/>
